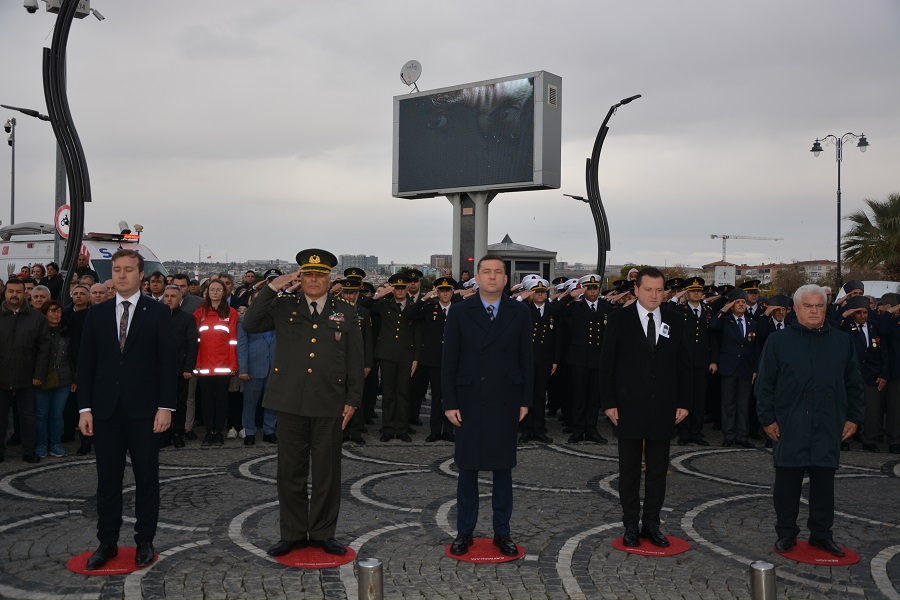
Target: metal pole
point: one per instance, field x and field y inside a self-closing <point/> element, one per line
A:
<point x="60" y="201"/>
<point x="12" y="179"/>
<point x="762" y="581"/>
<point x="840" y="276"/>
<point x="371" y="582"/>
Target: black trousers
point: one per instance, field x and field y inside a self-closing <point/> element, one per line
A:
<point x="394" y="391"/>
<point x="23" y="398"/>
<point x="418" y="385"/>
<point x="370" y="393"/>
<point x="735" y="407"/>
<point x="585" y="399"/>
<point x="180" y="405"/>
<point x="214" y="397"/>
<point x="438" y="423"/>
<point x="786" y="495"/>
<point x="535" y="422"/>
<point x="692" y="426"/>
<point x="657" y="457"/>
<point x="113" y="438"/>
<point x="467" y="501"/>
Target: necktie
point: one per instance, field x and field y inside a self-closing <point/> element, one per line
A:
<point x="490" y="310"/>
<point x="697" y="312"/>
<point x="445" y="313"/>
<point x="593" y="307"/>
<point x="651" y="331"/>
<point x="779" y="326"/>
<point x="123" y="325"/>
<point x="315" y="311"/>
<point x="741" y="326"/>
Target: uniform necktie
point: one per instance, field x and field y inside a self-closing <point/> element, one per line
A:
<point x="490" y="310"/>
<point x="697" y="312"/>
<point x="651" y="331"/>
<point x="593" y="307"/>
<point x="445" y="312"/>
<point x="779" y="326"/>
<point x="315" y="311"/>
<point x="123" y="325"/>
<point x="741" y="326"/>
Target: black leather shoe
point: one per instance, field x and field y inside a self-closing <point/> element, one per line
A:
<point x="101" y="556"/>
<point x="523" y="439"/>
<point x="828" y="546"/>
<point x="450" y="437"/>
<point x="250" y="440"/>
<point x="271" y="438"/>
<point x="403" y="437"/>
<point x="894" y="448"/>
<point x="727" y="444"/>
<point x="596" y="438"/>
<point x="461" y="544"/>
<point x="190" y="435"/>
<point x="655" y="536"/>
<point x="506" y="545"/>
<point x="575" y="438"/>
<point x="85" y="446"/>
<point x="410" y="431"/>
<point x="785" y="544"/>
<point x="871" y="448"/>
<point x="631" y="539"/>
<point x="386" y="437"/>
<point x="31" y="458"/>
<point x="745" y="444"/>
<point x="768" y="443"/>
<point x="684" y="441"/>
<point x="331" y="546"/>
<point x="543" y="437"/>
<point x="145" y="554"/>
<point x="845" y="446"/>
<point x="284" y="547"/>
<point x="358" y="439"/>
<point x="178" y="440"/>
<point x="369" y="421"/>
<point x="220" y="439"/>
<point x="416" y="421"/>
<point x="432" y="437"/>
<point x="699" y="441"/>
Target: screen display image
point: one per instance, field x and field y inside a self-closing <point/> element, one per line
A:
<point x="471" y="137"/>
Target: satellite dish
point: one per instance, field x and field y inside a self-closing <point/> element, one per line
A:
<point x="411" y="72"/>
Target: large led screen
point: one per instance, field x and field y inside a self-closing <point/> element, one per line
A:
<point x="486" y="136"/>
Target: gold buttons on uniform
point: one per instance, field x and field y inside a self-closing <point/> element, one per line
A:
<point x="312" y="354"/>
<point x="309" y="370"/>
<point x="313" y="340"/>
<point x="276" y="369"/>
<point x="315" y="326"/>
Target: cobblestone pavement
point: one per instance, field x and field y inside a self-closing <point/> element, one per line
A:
<point x="220" y="513"/>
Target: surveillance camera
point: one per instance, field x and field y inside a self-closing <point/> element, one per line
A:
<point x="7" y="128"/>
<point x="31" y="6"/>
<point x="97" y="14"/>
<point x="10" y="140"/>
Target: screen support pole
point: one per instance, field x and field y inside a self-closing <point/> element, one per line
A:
<point x="456" y="201"/>
<point x="470" y="229"/>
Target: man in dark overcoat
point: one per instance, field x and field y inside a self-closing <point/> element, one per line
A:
<point x="645" y="370"/>
<point x="809" y="397"/>
<point x="315" y="386"/>
<point x="487" y="382"/>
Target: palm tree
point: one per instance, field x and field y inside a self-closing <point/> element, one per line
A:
<point x="875" y="241"/>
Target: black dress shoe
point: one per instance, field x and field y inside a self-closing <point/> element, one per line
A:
<point x="450" y="437"/>
<point x="31" y="458"/>
<point x="506" y="545"/>
<point x="631" y="539"/>
<point x="415" y="421"/>
<point x="145" y="554"/>
<point x="543" y="437"/>
<point x="358" y="439"/>
<point x="386" y="437"/>
<point x="250" y="440"/>
<point x="410" y="431"/>
<point x="101" y="556"/>
<point x="178" y="440"/>
<point x="271" y="438"/>
<point x="871" y="448"/>
<point x="575" y="438"/>
<point x="190" y="435"/>
<point x="683" y="441"/>
<point x="85" y="446"/>
<point x="785" y="544"/>
<point x="331" y="546"/>
<point x="403" y="437"/>
<point x="828" y="546"/>
<point x="845" y="446"/>
<point x="220" y="439"/>
<point x="523" y="439"/>
<point x="727" y="444"/>
<point x="596" y="438"/>
<point x="369" y="421"/>
<point x="655" y="536"/>
<point x="768" y="443"/>
<point x="461" y="544"/>
<point x="432" y="437"/>
<point x="745" y="444"/>
<point x="894" y="448"/>
<point x="699" y="441"/>
<point x="284" y="547"/>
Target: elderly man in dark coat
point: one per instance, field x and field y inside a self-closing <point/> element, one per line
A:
<point x="809" y="398"/>
<point x="487" y="382"/>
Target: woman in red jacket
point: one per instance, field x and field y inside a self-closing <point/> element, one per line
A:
<point x="217" y="360"/>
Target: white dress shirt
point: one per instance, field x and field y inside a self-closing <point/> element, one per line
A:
<point x="657" y="319"/>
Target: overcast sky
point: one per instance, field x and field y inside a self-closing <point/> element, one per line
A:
<point x="262" y="127"/>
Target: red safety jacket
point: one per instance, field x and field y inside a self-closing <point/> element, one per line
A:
<point x="217" y="352"/>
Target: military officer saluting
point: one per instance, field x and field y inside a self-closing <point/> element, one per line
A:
<point x="350" y="293"/>
<point x="315" y="386"/>
<point x="754" y="309"/>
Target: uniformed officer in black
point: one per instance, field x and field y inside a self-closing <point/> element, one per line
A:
<point x="370" y="389"/>
<point x="315" y="385"/>
<point x="558" y="390"/>
<point x="418" y="384"/>
<point x="586" y="321"/>
<point x="755" y="310"/>
<point x="349" y="291"/>
<point x="703" y="348"/>
<point x="431" y="312"/>
<point x="396" y="350"/>
<point x="546" y="350"/>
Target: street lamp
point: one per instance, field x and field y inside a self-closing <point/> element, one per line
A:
<point x="593" y="188"/>
<point x="10" y="128"/>
<point x="838" y="142"/>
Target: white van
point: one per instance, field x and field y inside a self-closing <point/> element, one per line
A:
<point x="876" y="289"/>
<point x="24" y="244"/>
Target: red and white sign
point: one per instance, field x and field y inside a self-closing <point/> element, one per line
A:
<point x="62" y="221"/>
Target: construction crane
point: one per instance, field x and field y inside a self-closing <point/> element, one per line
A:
<point x="725" y="239"/>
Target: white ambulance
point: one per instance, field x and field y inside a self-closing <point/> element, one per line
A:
<point x="24" y="244"/>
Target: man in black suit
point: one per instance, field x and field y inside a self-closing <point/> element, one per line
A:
<point x="126" y="395"/>
<point x="546" y="350"/>
<point x="645" y="366"/>
<point x="186" y="343"/>
<point x="487" y="383"/>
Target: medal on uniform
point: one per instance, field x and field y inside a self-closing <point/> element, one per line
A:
<point x="337" y="336"/>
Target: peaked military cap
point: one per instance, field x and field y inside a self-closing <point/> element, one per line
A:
<point x="528" y="278"/>
<point x="890" y="298"/>
<point x="724" y="289"/>
<point x="857" y="302"/>
<point x="445" y="283"/>
<point x="558" y="280"/>
<point x="315" y="260"/>
<point x="710" y="290"/>
<point x="354" y="273"/>
<point x="350" y="284"/>
<point x="272" y="273"/>
<point x="676" y="283"/>
<point x="537" y="285"/>
<point x="694" y="284"/>
<point x="750" y="286"/>
<point x="590" y="280"/>
<point x="737" y="294"/>
<point x="413" y="274"/>
<point x="367" y="287"/>
<point x="780" y="300"/>
<point x="471" y="284"/>
<point x="620" y="282"/>
<point x="854" y="284"/>
<point x="399" y="280"/>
